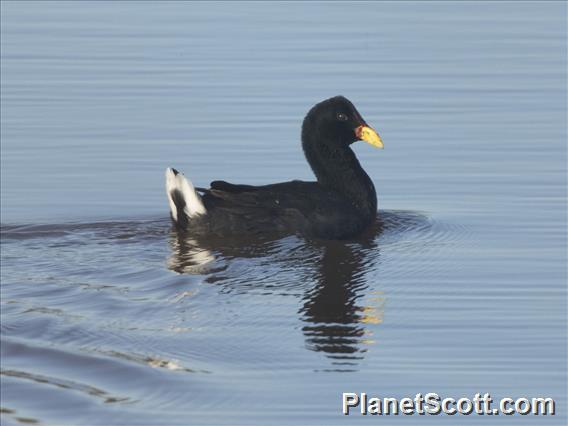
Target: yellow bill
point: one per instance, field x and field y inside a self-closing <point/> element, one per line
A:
<point x="369" y="135"/>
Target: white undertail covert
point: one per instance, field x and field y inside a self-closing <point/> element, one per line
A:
<point x="176" y="182"/>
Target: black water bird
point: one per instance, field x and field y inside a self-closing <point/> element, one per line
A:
<point x="341" y="204"/>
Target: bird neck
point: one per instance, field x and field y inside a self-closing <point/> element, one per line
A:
<point x="336" y="167"/>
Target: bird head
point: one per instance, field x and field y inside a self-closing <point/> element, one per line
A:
<point x="336" y="119"/>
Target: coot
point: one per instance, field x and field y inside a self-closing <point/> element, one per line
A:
<point x="340" y="204"/>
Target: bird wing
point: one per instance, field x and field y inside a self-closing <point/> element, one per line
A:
<point x="283" y="206"/>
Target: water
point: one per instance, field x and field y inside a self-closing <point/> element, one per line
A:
<point x="108" y="317"/>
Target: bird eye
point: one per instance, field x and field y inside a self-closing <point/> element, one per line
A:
<point x="341" y="116"/>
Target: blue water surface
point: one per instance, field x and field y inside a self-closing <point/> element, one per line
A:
<point x="108" y="317"/>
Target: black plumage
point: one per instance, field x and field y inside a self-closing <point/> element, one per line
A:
<point x="340" y="204"/>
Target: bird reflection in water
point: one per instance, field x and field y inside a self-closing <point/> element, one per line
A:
<point x="187" y="256"/>
<point x="338" y="308"/>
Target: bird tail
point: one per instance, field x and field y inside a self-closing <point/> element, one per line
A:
<point x="185" y="202"/>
